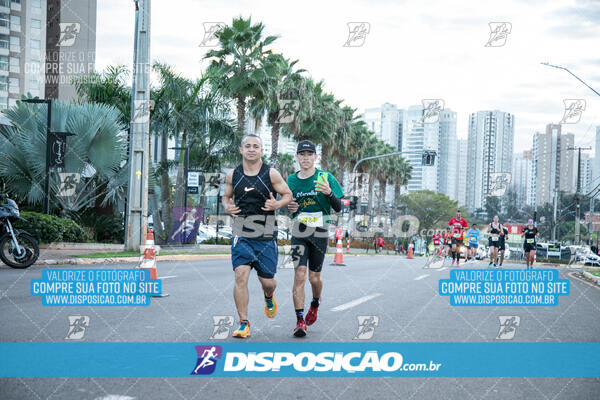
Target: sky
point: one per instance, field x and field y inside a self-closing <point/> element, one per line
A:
<point x="414" y="50"/>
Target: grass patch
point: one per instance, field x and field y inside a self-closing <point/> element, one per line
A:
<point x="118" y="254"/>
<point x="597" y="273"/>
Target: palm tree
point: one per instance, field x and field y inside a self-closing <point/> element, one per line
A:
<point x="346" y="148"/>
<point x="384" y="173"/>
<point x="109" y="87"/>
<point x="286" y="165"/>
<point x="236" y="68"/>
<point x="282" y="87"/>
<point x="317" y="119"/>
<point x="97" y="152"/>
<point x="401" y="170"/>
<point x="375" y="148"/>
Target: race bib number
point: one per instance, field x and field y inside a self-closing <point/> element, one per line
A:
<point x="457" y="235"/>
<point x="530" y="240"/>
<point x="495" y="238"/>
<point x="313" y="219"/>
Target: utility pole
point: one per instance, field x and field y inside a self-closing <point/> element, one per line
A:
<point x="136" y="223"/>
<point x="589" y="225"/>
<point x="554" y="218"/>
<point x="578" y="192"/>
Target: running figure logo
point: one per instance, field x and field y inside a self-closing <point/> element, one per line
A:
<point x="573" y="110"/>
<point x="207" y="359"/>
<point x="366" y="326"/>
<point x="292" y="259"/>
<point x="499" y="182"/>
<point x="68" y="183"/>
<point x="508" y="326"/>
<point x="77" y="326"/>
<point x="434" y="261"/>
<point x="222" y="326"/>
<point x="141" y="113"/>
<point x="431" y="110"/>
<point x="498" y="33"/>
<point x="68" y="33"/>
<point x="287" y="111"/>
<point x="210" y="38"/>
<point x="357" y="34"/>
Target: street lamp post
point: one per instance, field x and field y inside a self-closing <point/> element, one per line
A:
<point x="48" y="128"/>
<point x="51" y="139"/>
<point x="579" y="158"/>
<point x="427" y="156"/>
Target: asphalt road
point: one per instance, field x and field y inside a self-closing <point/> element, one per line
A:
<point x="398" y="292"/>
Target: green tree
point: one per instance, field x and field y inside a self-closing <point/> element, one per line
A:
<point x="280" y="90"/>
<point x="433" y="210"/>
<point x="286" y="165"/>
<point x="236" y="68"/>
<point x="107" y="87"/>
<point x="493" y="206"/>
<point x="97" y="152"/>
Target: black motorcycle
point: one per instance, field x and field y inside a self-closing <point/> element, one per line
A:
<point x="18" y="249"/>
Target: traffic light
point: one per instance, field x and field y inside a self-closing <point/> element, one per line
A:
<point x="353" y="202"/>
<point x="428" y="158"/>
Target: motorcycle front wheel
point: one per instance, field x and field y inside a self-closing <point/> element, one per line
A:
<point x="30" y="250"/>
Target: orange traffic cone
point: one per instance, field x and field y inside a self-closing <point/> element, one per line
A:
<point x="410" y="252"/>
<point x="149" y="259"/>
<point x="339" y="255"/>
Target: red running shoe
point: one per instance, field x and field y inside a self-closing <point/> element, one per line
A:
<point x="311" y="315"/>
<point x="300" y="330"/>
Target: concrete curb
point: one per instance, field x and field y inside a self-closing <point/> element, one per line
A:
<point x="592" y="277"/>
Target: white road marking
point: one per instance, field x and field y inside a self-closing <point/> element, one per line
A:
<point x="418" y="278"/>
<point x="167" y="277"/>
<point x="115" y="397"/>
<point x="443" y="268"/>
<point x="356" y="302"/>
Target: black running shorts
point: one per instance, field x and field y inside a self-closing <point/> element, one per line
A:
<point x="309" y="251"/>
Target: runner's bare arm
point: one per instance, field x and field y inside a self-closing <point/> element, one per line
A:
<point x="227" y="199"/>
<point x="280" y="187"/>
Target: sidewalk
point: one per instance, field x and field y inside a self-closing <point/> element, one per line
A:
<point x="63" y="253"/>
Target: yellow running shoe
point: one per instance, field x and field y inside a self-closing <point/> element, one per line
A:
<point x="271" y="307"/>
<point x="243" y="331"/>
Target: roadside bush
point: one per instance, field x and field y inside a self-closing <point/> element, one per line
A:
<point x="104" y="228"/>
<point x="49" y="228"/>
<point x="220" y="241"/>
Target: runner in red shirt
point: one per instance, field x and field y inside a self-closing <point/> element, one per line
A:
<point x="457" y="224"/>
<point x="437" y="242"/>
<point x="447" y="242"/>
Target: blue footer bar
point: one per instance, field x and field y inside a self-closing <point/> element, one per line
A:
<point x="308" y="359"/>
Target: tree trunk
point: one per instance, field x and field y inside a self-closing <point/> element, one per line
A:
<point x="156" y="220"/>
<point x="370" y="201"/>
<point x="275" y="145"/>
<point x="342" y="161"/>
<point x="382" y="189"/>
<point x="165" y="185"/>
<point x="180" y="183"/>
<point x="324" y="152"/>
<point x="241" y="113"/>
<point x="395" y="202"/>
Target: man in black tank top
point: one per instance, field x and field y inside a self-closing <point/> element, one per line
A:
<point x="249" y="197"/>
